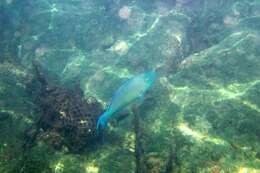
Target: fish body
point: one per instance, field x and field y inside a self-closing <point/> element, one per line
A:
<point x="130" y="91"/>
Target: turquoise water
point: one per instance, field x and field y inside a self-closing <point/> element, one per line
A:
<point x="62" y="61"/>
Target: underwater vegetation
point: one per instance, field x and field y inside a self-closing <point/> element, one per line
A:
<point x="62" y="61"/>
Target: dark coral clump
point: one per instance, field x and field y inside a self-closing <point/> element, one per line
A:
<point x="65" y="119"/>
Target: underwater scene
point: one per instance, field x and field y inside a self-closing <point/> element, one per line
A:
<point x="121" y="86"/>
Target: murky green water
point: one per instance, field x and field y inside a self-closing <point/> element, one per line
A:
<point x="201" y="115"/>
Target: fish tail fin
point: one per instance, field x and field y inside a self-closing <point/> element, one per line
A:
<point x="102" y="122"/>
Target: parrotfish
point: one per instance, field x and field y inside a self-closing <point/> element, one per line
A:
<point x="133" y="89"/>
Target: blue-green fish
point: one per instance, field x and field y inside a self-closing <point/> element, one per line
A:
<point x="130" y="91"/>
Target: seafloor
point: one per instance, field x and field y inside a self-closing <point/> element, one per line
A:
<point x="201" y="116"/>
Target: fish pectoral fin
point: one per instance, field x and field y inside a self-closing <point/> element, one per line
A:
<point x="138" y="101"/>
<point x="140" y="98"/>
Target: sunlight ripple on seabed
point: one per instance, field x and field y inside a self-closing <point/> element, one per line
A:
<point x="248" y="170"/>
<point x="140" y="35"/>
<point x="233" y="91"/>
<point x="91" y="168"/>
<point x="200" y="137"/>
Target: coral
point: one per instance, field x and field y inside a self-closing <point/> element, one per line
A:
<point x="64" y="115"/>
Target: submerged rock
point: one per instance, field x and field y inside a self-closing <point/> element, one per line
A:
<point x="4" y="116"/>
<point x="65" y="119"/>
